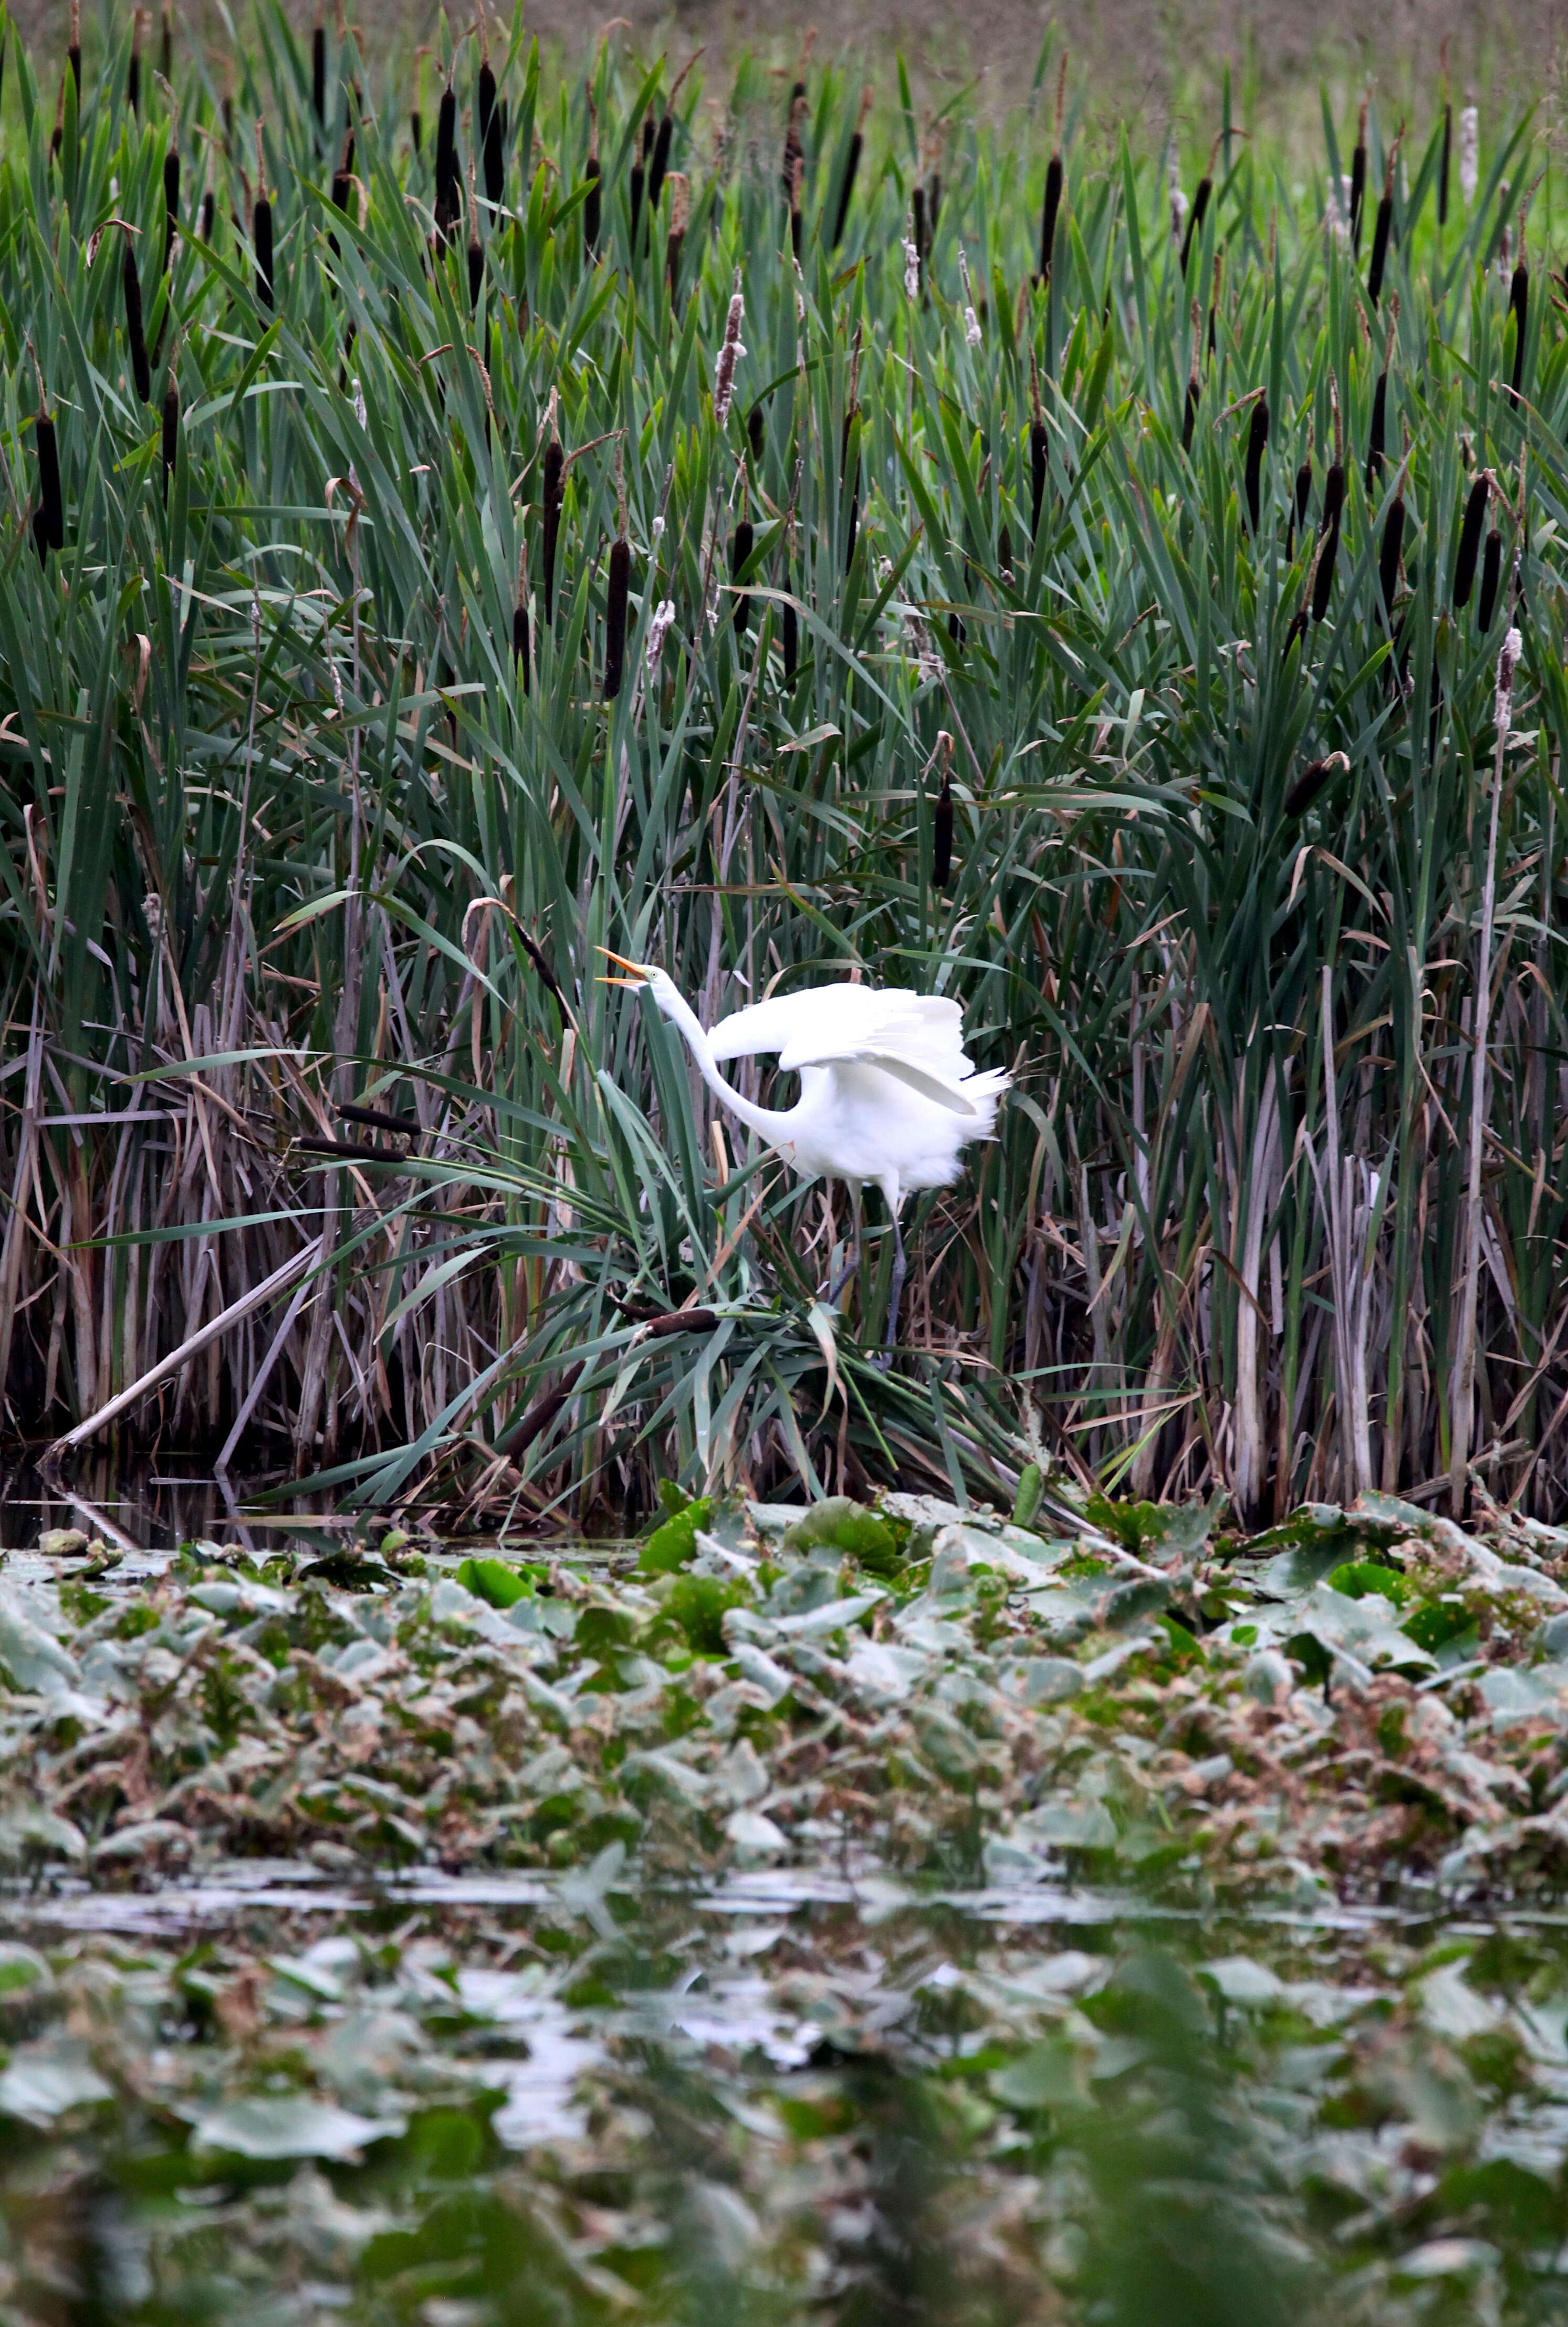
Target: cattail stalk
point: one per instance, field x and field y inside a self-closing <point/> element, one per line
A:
<point x="1257" y="445"/>
<point x="638" y="179"/>
<point x="1464" y="1368"/>
<point x="1470" y="540"/>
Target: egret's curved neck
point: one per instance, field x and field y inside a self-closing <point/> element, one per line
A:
<point x="769" y="1122"/>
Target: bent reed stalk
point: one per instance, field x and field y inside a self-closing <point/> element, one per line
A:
<point x="326" y="774"/>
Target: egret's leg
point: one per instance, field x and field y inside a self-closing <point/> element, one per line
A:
<point x="838" y="1290"/>
<point x="893" y="1196"/>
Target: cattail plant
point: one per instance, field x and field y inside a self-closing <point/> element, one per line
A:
<point x="616" y="594"/>
<point x="849" y="482"/>
<point x="1199" y="211"/>
<point x="170" y="432"/>
<point x="1054" y="181"/>
<point x="730" y="354"/>
<point x="261" y="230"/>
<point x="756" y="432"/>
<point x="73" y="53"/>
<point x="1311" y="781"/>
<point x="1470" y="540"/>
<point x="1520" y="309"/>
<point x="793" y="149"/>
<point x="166" y="43"/>
<point x="851" y="169"/>
<point x="171" y="200"/>
<point x="136" y="336"/>
<point x="1383" y="228"/>
<point x="1378" y="434"/>
<point x="1333" y="509"/>
<point x="942" y="818"/>
<point x="1389" y="552"/>
<point x="343" y="178"/>
<point x="208" y="215"/>
<point x="134" y="69"/>
<point x="1257" y="445"/>
<point x="658" y="167"/>
<point x="795" y="223"/>
<point x="1194" y="384"/>
<point x="679" y="210"/>
<point x="49" y="518"/>
<point x="319" y="73"/>
<point x="448" y="169"/>
<point x="743" y="541"/>
<point x="789" y="641"/>
<point x="491" y="131"/>
<point x="554" y="488"/>
<point x="1359" y="180"/>
<point x="520" y="660"/>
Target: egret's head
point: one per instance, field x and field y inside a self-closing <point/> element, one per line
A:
<point x="645" y="976"/>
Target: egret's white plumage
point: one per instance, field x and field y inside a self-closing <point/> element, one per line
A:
<point x="886" y="1092"/>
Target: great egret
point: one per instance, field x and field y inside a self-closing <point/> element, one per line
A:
<point x="887" y="1094"/>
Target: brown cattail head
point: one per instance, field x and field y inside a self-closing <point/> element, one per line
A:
<point x="171" y="200"/>
<point x="492" y="134"/>
<point x="1491" y="575"/>
<point x="743" y="541"/>
<point x="1194" y="386"/>
<point x="133" y="70"/>
<point x="1329" y="545"/>
<point x="1443" y="163"/>
<point x="166" y="47"/>
<point x="615" y="615"/>
<point x="49" y="525"/>
<point x="1256" y="444"/>
<point x="591" y="211"/>
<point x="1470" y="540"/>
<point x="554" y="487"/>
<point x="1389" y="553"/>
<point x="680" y="211"/>
<point x="136" y="336"/>
<point x="1520" y="309"/>
<point x="73" y="53"/>
<point x="1311" y="783"/>
<point x="261" y="227"/>
<point x="520" y="623"/>
<point x="942" y="818"/>
<point x="319" y="72"/>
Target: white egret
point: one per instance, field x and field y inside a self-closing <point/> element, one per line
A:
<point x="887" y="1093"/>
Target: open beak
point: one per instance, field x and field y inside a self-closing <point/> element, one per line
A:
<point x="640" y="979"/>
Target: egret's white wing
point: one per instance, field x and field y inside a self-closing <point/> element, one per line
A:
<point x="927" y="1031"/>
<point x="903" y="1070"/>
<point x="785" y="1018"/>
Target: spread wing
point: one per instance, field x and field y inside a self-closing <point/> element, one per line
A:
<point x="917" y="1038"/>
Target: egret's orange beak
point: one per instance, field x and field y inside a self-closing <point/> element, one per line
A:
<point x="640" y="979"/>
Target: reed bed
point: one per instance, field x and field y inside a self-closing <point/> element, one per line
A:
<point x="788" y="539"/>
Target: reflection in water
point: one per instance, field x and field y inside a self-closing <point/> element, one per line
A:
<point x="150" y="1506"/>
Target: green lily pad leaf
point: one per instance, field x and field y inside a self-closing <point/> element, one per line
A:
<point x="671" y="1546"/>
<point x="493" y="1580"/>
<point x="1045" y="2077"/>
<point x="1358" y="1577"/>
<point x="292" y="2125"/>
<point x="38" y="2087"/>
<point x="840" y="1524"/>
